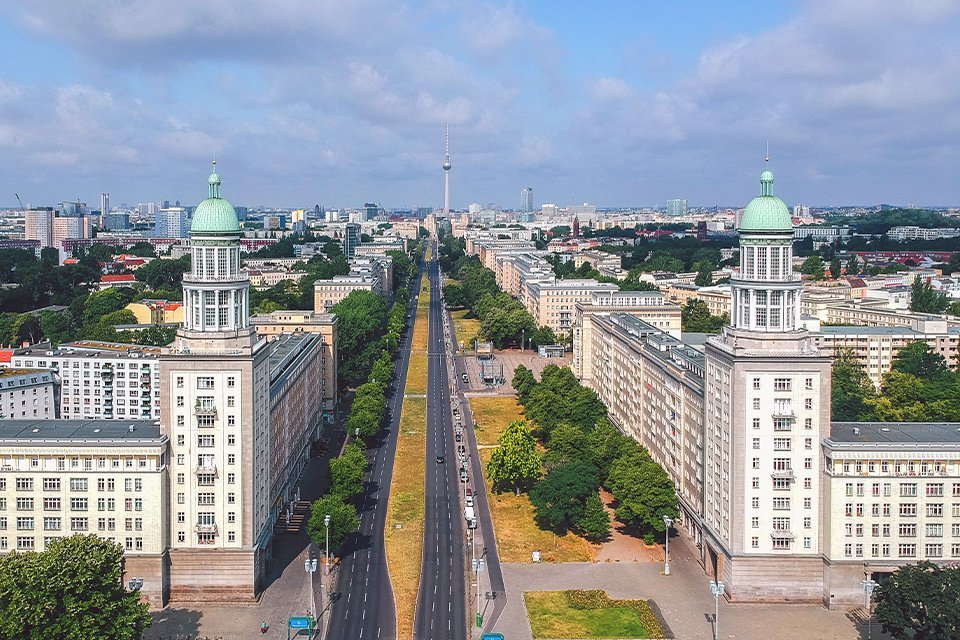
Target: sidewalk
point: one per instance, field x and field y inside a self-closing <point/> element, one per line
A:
<point x="683" y="598"/>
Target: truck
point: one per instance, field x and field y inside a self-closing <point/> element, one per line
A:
<point x="468" y="513"/>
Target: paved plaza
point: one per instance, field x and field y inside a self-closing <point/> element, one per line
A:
<point x="506" y="361"/>
<point x="683" y="598"/>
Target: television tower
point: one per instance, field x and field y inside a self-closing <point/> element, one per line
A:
<point x="446" y="171"/>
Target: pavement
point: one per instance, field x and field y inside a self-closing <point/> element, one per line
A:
<point x="683" y="598"/>
<point x="504" y="362"/>
<point x="441" y="607"/>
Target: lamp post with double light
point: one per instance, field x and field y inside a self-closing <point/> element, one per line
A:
<point x="310" y="566"/>
<point x="326" y="548"/>
<point x="716" y="588"/>
<point x="868" y="587"/>
<point x="667" y="520"/>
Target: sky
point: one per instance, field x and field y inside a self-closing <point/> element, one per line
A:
<point x="616" y="103"/>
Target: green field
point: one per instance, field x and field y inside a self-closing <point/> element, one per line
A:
<point x="588" y="614"/>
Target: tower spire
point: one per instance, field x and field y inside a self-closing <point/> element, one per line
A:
<point x="446" y="170"/>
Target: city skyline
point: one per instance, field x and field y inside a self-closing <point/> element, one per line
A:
<point x="632" y="107"/>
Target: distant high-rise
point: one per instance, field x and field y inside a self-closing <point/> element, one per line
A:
<point x="104" y="208"/>
<point x="38" y="225"/>
<point x="118" y="221"/>
<point x="351" y="238"/>
<point x="676" y="208"/>
<point x="446" y="171"/>
<point x="171" y="223"/>
<point x="72" y="209"/>
<point x="526" y="200"/>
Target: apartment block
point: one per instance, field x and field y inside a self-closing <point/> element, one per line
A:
<point x="27" y="393"/>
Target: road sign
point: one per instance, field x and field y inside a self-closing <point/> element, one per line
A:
<point x="299" y="623"/>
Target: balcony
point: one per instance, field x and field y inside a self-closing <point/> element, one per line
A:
<point x="784" y="412"/>
<point x="206" y="528"/>
<point x="239" y="277"/>
<point x="201" y="410"/>
<point x="782" y="474"/>
<point x="782" y="534"/>
<point x="206" y="468"/>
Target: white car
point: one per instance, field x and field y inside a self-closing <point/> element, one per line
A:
<point x="469" y="501"/>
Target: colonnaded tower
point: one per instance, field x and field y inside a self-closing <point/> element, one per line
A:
<point x="767" y="409"/>
<point x="215" y="386"/>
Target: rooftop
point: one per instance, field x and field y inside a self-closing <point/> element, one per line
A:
<point x="93" y="430"/>
<point x="895" y="433"/>
<point x="10" y="373"/>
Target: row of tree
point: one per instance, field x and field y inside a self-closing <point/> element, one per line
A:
<point x="695" y="317"/>
<point x="584" y="451"/>
<point x="367" y="414"/>
<point x="919" y="388"/>
<point x="503" y="320"/>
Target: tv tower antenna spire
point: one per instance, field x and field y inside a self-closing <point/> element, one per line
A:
<point x="446" y="170"/>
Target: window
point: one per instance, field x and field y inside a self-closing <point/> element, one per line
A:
<point x="204" y="382"/>
<point x="907" y="550"/>
<point x="935" y="510"/>
<point x="181" y="439"/>
<point x="756" y="483"/>
<point x="231" y="536"/>
<point x="935" y="490"/>
<point x="908" y="490"/>
<point x="24" y="484"/>
<point x="231" y="517"/>
<point x="205" y="499"/>
<point x="231" y="498"/>
<point x="935" y="530"/>
<point x="756" y="404"/>
<point x="181" y="536"/>
<point x="781" y="444"/>
<point x="51" y="524"/>
<point x="808" y="404"/>
<point x="205" y="440"/>
<point x="808" y="423"/>
<point x="756" y="384"/>
<point x="231" y="458"/>
<point x="231" y="478"/>
<point x="933" y="550"/>
<point x="78" y="504"/>
<point x="756" y="443"/>
<point x="25" y="524"/>
<point x="907" y="530"/>
<point x="807" y="503"/>
<point x="782" y="384"/>
<point x="231" y="401"/>
<point x="206" y="479"/>
<point x="231" y="440"/>
<point x="908" y="510"/>
<point x="756" y="463"/>
<point x="808" y="384"/>
<point x="78" y="484"/>
<point x="231" y="382"/>
<point x="49" y="484"/>
<point x="24" y="504"/>
<point x="181" y="478"/>
<point x="79" y="524"/>
<point x="756" y="423"/>
<point x="781" y="504"/>
<point x="755" y="522"/>
<point x="51" y="504"/>
<point x="755" y="542"/>
<point x="179" y="382"/>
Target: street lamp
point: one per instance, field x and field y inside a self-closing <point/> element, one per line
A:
<point x="310" y="566"/>
<point x="326" y="549"/>
<point x="667" y="520"/>
<point x="716" y="588"/>
<point x="868" y="587"/>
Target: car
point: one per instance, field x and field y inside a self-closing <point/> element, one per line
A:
<point x="439" y="459"/>
<point x="469" y="492"/>
<point x="463" y="475"/>
<point x="468" y="501"/>
<point x="461" y="448"/>
<point x="459" y="437"/>
<point x="463" y="456"/>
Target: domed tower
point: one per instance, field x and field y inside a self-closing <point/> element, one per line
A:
<point x="766" y="295"/>
<point x="215" y="292"/>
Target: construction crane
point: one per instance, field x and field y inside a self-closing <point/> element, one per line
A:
<point x="21" y="204"/>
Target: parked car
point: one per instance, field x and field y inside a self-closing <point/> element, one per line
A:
<point x="463" y="475"/>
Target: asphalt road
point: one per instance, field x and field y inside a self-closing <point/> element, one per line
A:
<point x="363" y="605"/>
<point x="441" y="607"/>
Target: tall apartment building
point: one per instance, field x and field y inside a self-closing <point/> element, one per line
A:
<point x="201" y="491"/>
<point x="70" y="227"/>
<point x="526" y="199"/>
<point x="351" y="239"/>
<point x="27" y="394"/>
<point x="783" y="505"/>
<point x="38" y="225"/>
<point x="170" y="222"/>
<point x="676" y="208"/>
<point x="327" y="293"/>
<point x="99" y="380"/>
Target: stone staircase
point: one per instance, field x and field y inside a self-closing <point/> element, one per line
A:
<point x="299" y="512"/>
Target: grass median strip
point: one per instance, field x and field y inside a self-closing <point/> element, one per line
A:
<point x="403" y="537"/>
<point x="589" y="614"/>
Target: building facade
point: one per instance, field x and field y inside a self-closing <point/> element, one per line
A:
<point x="27" y="394"/>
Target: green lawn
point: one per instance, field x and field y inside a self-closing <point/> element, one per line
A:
<point x="588" y="614"/>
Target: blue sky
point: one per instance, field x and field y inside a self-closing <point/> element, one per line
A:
<point x="339" y="102"/>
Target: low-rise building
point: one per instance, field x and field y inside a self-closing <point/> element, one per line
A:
<point x="157" y="311"/>
<point x="553" y="303"/>
<point x="327" y="293"/>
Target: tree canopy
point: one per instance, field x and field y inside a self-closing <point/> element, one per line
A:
<point x="343" y="521"/>
<point x="919" y="602"/>
<point x="695" y="317"/>
<point x="73" y="590"/>
<point x="515" y="463"/>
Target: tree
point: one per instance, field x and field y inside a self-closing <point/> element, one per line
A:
<point x="850" y="389"/>
<point x="925" y="299"/>
<point x="515" y="463"/>
<point x="919" y="602"/>
<point x="343" y="521"/>
<point x="704" y="274"/>
<point x="26" y="328"/>
<point x="57" y="327"/>
<point x="362" y="316"/>
<point x="853" y="265"/>
<point x="605" y="444"/>
<point x="595" y="522"/>
<point x="346" y="476"/>
<point x="560" y="499"/>
<point x="523" y="382"/>
<point x="644" y="493"/>
<point x="568" y="441"/>
<point x="695" y="317"/>
<point x="813" y="266"/>
<point x="103" y="302"/>
<point x="73" y="590"/>
<point x="163" y="273"/>
<point x="918" y="359"/>
<point x="835" y="268"/>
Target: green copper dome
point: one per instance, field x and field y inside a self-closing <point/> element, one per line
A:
<point x="214" y="216"/>
<point x="766" y="212"/>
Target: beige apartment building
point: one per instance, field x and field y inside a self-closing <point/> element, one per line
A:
<point x="64" y="477"/>
<point x="553" y="303"/>
<point x="717" y="297"/>
<point x="327" y="293"/>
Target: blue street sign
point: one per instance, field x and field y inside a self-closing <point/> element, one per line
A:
<point x="299" y="623"/>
